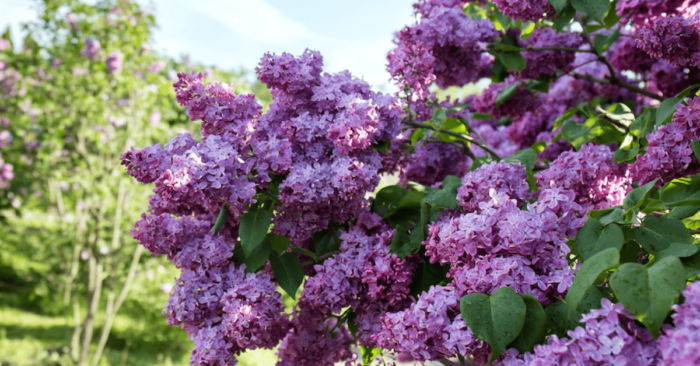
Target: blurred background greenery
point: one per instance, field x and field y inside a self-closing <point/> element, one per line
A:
<point x="82" y="88"/>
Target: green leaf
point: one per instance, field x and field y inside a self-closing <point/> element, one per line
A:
<point x="648" y="292"/>
<point x="220" y="220"/>
<point x="691" y="265"/>
<point x="439" y="117"/>
<point x="594" y="238"/>
<point x="564" y="17"/>
<point x="696" y="149"/>
<point x="404" y="245"/>
<point x="369" y="354"/>
<point x="681" y="192"/>
<point x="653" y="206"/>
<point x="426" y="275"/>
<point x="535" y="328"/>
<point x="579" y="134"/>
<point x="454" y="125"/>
<point x="608" y="216"/>
<point x="305" y="252"/>
<point x="253" y="229"/>
<point x="611" y="18"/>
<point x="526" y="157"/>
<point x="686" y="92"/>
<point x="591" y="300"/>
<point x="258" y="256"/>
<point x="416" y="135"/>
<point x="618" y="112"/>
<point x="387" y="199"/>
<point x="630" y="252"/>
<point x="279" y="243"/>
<point x="682" y="212"/>
<point x="481" y="116"/>
<point x="513" y="60"/>
<point x="677" y="250"/>
<point x="666" y="110"/>
<point x="627" y="151"/>
<point x="560" y="320"/>
<point x="558" y="5"/>
<point x="657" y="233"/>
<point x="635" y="198"/>
<point x="382" y="146"/>
<point x="565" y="117"/>
<point x="288" y="271"/>
<point x="447" y="195"/>
<point x="527" y="29"/>
<point x="496" y="319"/>
<point x="324" y="242"/>
<point x="642" y="125"/>
<point x="506" y="93"/>
<point x="586" y="275"/>
<point x="595" y="9"/>
<point x="540" y="85"/>
<point x="603" y="41"/>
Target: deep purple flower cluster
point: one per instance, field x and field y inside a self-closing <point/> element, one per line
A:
<point x="625" y="55"/>
<point x="679" y="345"/>
<point x="508" y="178"/>
<point x="670" y="153"/>
<point x="533" y="10"/>
<point x="432" y="162"/>
<point x="545" y="63"/>
<point x="675" y="39"/>
<point x="640" y="12"/>
<point x="591" y="174"/>
<point x="523" y="101"/>
<point x="610" y="337"/>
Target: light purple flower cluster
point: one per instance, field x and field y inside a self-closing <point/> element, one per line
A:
<point x="640" y="12"/>
<point x="115" y="61"/>
<point x="523" y="101"/>
<point x="591" y="174"/>
<point x="545" y="63"/>
<point x="431" y="328"/>
<point x="675" y="39"/>
<point x="679" y="344"/>
<point x="508" y="178"/>
<point x="610" y="337"/>
<point x="533" y="10"/>
<point x="92" y="49"/>
<point x="432" y="162"/>
<point x="226" y="311"/>
<point x="670" y="153"/>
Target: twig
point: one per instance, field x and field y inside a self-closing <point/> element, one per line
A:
<point x="457" y="135"/>
<point x="320" y="259"/>
<point x="693" y="232"/>
<point x="555" y="48"/>
<point x="620" y="83"/>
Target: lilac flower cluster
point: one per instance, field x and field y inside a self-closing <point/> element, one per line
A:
<point x="679" y="345"/>
<point x="431" y="328"/>
<point x="675" y="39"/>
<point x="115" y="61"/>
<point x="597" y="181"/>
<point x="508" y="178"/>
<point x="226" y="311"/>
<point x="670" y="152"/>
<point x="432" y="162"/>
<point x="523" y="101"/>
<point x="640" y="12"/>
<point x="533" y="10"/>
<point x="610" y="337"/>
<point x="545" y="63"/>
<point x="92" y="49"/>
<point x="625" y="55"/>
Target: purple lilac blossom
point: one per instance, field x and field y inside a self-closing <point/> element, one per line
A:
<point x="679" y="344"/>
<point x="523" y="101"/>
<point x="115" y="61"/>
<point x="675" y="39"/>
<point x="591" y="173"/>
<point x="610" y="338"/>
<point x="670" y="153"/>
<point x="625" y="55"/>
<point x="640" y="12"/>
<point x="545" y="63"/>
<point x="432" y="162"/>
<point x="92" y="48"/>
<point x="502" y="176"/>
<point x="533" y="10"/>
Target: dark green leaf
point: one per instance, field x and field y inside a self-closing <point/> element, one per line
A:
<point x="426" y="275"/>
<point x="305" y="252"/>
<point x="657" y="233"/>
<point x="387" y="199"/>
<point x="642" y="125"/>
<point x="558" y="5"/>
<point x="591" y="300"/>
<point x="691" y="265"/>
<point x="681" y="192"/>
<point x="586" y="275"/>
<point x="253" y="229"/>
<point x="653" y="206"/>
<point x="595" y="9"/>
<point x="648" y="292"/>
<point x="627" y="152"/>
<point x="594" y="238"/>
<point x="288" y="271"/>
<point x="635" y="198"/>
<point x="526" y="157"/>
<point x="608" y="216"/>
<point x="666" y="110"/>
<point x="678" y="250"/>
<point x="579" y="134"/>
<point x="683" y="212"/>
<point x="535" y="329"/>
<point x="540" y="85"/>
<point x="495" y="319"/>
<point x="481" y="116"/>
<point x="220" y="220"/>
<point x="609" y="134"/>
<point x="324" y="242"/>
<point x="696" y="149"/>
<point x="447" y="195"/>
<point x="686" y="92"/>
<point x="404" y="245"/>
<point x="279" y="243"/>
<point x="506" y="93"/>
<point x="565" y="117"/>
<point x="630" y="252"/>
<point x="382" y="146"/>
<point x="258" y="256"/>
<point x="479" y="162"/>
<point x="611" y="18"/>
<point x="564" y="17"/>
<point x="603" y="41"/>
<point x="560" y="320"/>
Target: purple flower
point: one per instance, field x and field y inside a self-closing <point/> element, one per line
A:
<point x="115" y="61"/>
<point x="525" y="9"/>
<point x="92" y="48"/>
<point x="675" y="39"/>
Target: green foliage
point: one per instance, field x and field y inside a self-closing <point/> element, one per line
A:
<point x="288" y="271"/>
<point x="587" y="274"/>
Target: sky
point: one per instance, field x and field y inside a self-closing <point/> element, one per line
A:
<point x="354" y="36"/>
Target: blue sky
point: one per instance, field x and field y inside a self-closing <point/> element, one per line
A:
<point x="352" y="35"/>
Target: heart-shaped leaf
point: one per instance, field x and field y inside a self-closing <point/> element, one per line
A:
<point x="594" y="238"/>
<point x="586" y="275"/>
<point x="253" y="229"/>
<point x="496" y="319"/>
<point x="288" y="271"/>
<point x="635" y="198"/>
<point x="649" y="292"/>
<point x="535" y="329"/>
<point x="657" y="233"/>
<point x="681" y="192"/>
